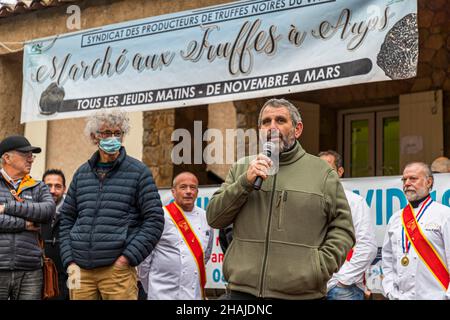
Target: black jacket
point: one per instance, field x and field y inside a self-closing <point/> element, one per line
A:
<point x="104" y="219"/>
<point x="19" y="248"/>
<point x="225" y="238"/>
<point x="50" y="235"/>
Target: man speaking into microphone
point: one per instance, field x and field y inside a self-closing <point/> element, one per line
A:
<point x="294" y="231"/>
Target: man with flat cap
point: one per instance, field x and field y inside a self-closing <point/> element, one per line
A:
<point x="24" y="204"/>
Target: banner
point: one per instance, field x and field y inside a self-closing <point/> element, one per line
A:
<point x="383" y="195"/>
<point x="235" y="51"/>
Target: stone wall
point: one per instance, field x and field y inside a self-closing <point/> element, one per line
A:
<point x="222" y="116"/>
<point x="158" y="127"/>
<point x="434" y="67"/>
<point x="10" y="95"/>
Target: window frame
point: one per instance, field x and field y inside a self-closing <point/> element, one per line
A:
<point x="345" y="116"/>
<point x="380" y="116"/>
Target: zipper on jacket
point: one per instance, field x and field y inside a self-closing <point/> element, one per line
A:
<point x="266" y="244"/>
<point x="97" y="206"/>
<point x="281" y="201"/>
<point x="13" y="249"/>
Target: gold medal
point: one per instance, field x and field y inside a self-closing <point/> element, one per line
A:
<point x="404" y="261"/>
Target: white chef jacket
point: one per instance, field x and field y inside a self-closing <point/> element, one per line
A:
<point x="170" y="271"/>
<point x="365" y="250"/>
<point x="415" y="281"/>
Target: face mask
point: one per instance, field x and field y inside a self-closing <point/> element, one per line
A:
<point x="110" y="145"/>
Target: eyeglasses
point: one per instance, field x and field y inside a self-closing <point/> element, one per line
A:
<point x="108" y="133"/>
<point x="26" y="155"/>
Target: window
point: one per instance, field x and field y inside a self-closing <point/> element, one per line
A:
<point x="388" y="132"/>
<point x="369" y="141"/>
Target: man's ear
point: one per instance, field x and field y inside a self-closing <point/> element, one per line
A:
<point x="430" y="183"/>
<point x="340" y="172"/>
<point x="5" y="157"/>
<point x="298" y="130"/>
<point x="94" y="139"/>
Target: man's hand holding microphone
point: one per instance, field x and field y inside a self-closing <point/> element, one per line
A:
<point x="258" y="170"/>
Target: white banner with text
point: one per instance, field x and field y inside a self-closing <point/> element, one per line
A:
<point x="234" y="51"/>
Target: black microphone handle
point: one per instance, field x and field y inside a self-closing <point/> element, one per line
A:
<point x="258" y="182"/>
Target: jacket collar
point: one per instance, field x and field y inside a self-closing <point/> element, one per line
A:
<point x="96" y="156"/>
<point x="292" y="155"/>
<point x="25" y="183"/>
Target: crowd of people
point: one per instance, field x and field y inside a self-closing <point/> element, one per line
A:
<point x="299" y="235"/>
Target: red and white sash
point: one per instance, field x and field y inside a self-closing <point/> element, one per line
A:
<point x="423" y="247"/>
<point x="178" y="217"/>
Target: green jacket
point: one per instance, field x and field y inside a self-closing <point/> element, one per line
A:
<point x="289" y="237"/>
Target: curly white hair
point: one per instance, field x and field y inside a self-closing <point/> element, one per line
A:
<point x="111" y="117"/>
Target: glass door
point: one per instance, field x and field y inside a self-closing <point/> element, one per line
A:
<point x="388" y="151"/>
<point x="359" y="145"/>
<point x="370" y="142"/>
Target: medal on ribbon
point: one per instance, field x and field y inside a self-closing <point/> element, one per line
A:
<point x="406" y="244"/>
<point x="404" y="261"/>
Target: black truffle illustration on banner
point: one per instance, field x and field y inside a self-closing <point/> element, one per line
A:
<point x="400" y="50"/>
<point x="51" y="99"/>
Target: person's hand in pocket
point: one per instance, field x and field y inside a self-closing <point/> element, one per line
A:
<point x="122" y="261"/>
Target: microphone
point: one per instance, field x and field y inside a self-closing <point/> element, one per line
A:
<point x="268" y="148"/>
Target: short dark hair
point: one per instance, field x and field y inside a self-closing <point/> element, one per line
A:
<point x="281" y="103"/>
<point x="55" y="172"/>
<point x="337" y="157"/>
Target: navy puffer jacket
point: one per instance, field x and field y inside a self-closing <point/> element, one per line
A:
<point x="120" y="215"/>
<point x="19" y="248"/>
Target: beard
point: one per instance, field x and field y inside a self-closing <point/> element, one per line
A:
<point x="288" y="142"/>
<point x="285" y="141"/>
<point x="413" y="195"/>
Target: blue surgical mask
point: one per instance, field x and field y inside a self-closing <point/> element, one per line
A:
<point x="110" y="145"/>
